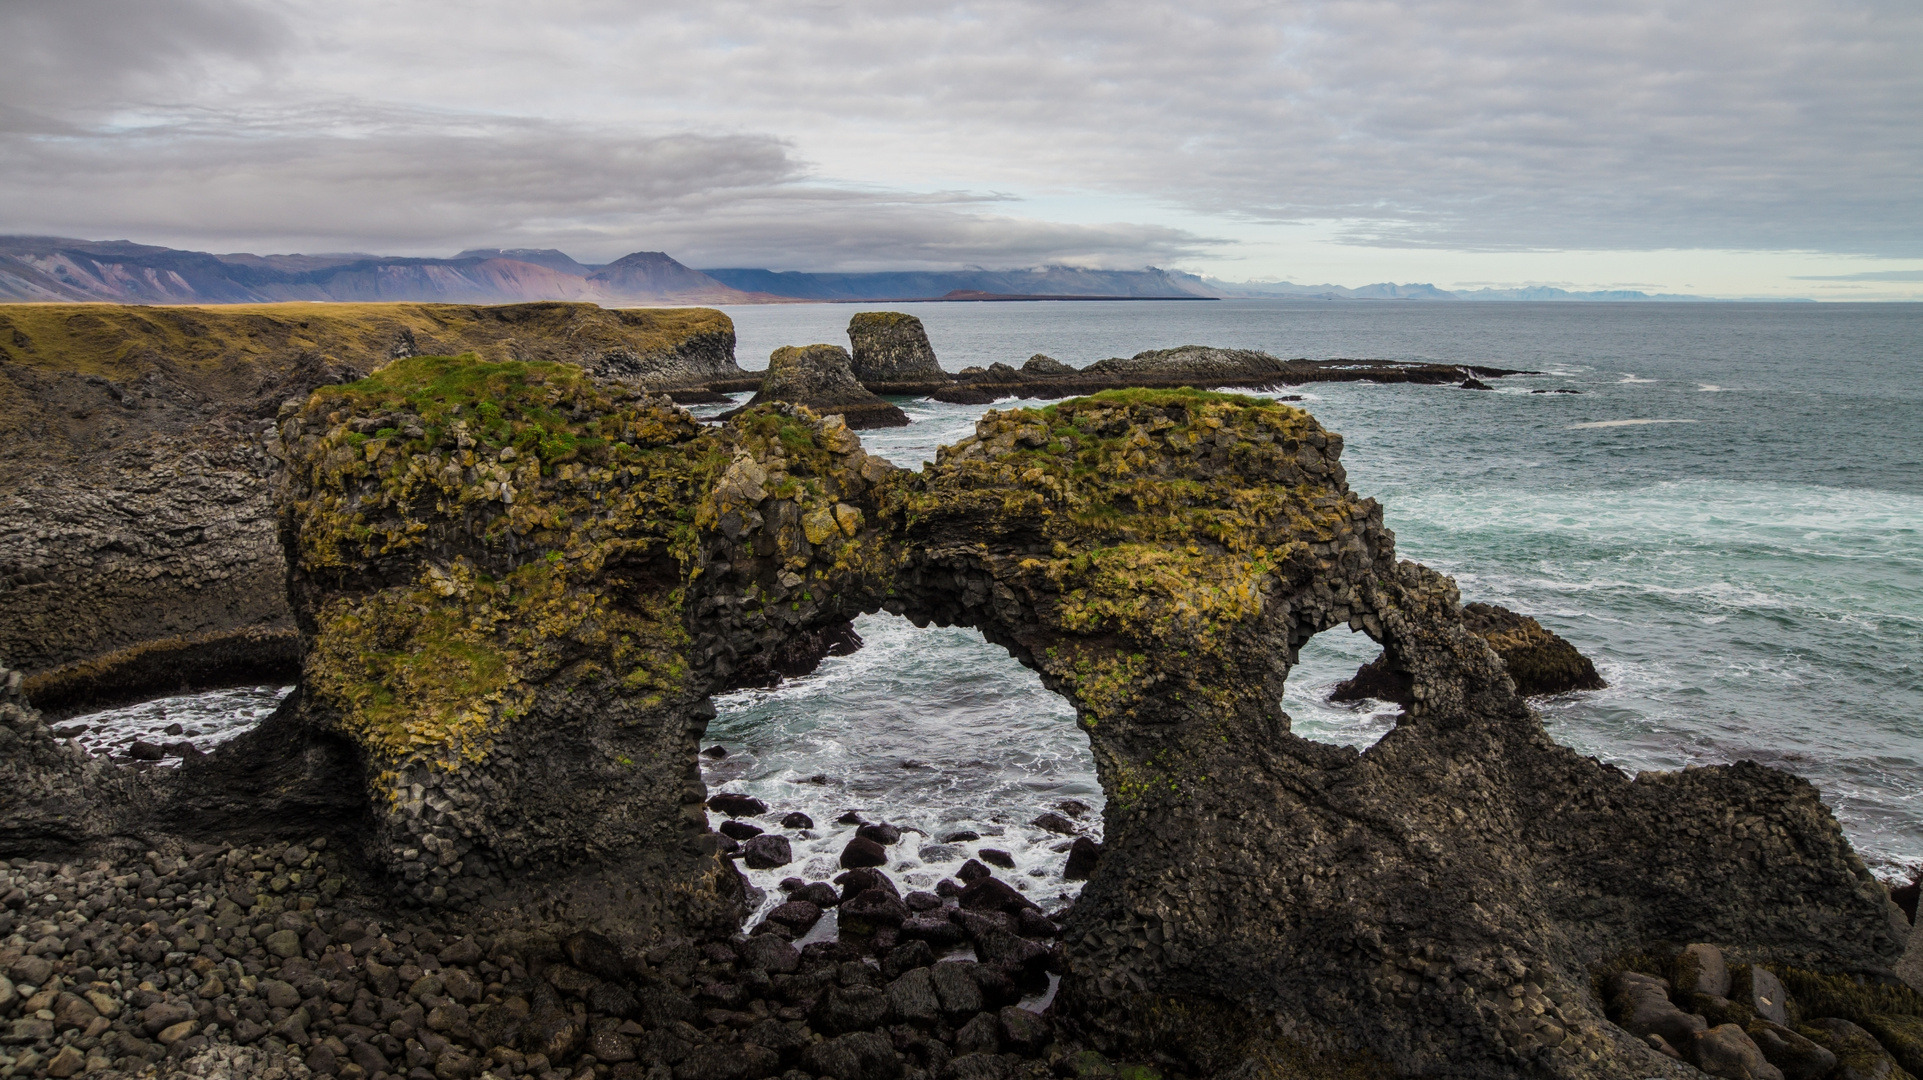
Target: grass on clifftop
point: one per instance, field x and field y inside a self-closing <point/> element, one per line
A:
<point x="116" y="339"/>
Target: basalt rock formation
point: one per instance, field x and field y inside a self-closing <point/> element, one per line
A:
<point x="138" y="550"/>
<point x="515" y="618"/>
<point x="1539" y="661"/>
<point x="1193" y="366"/>
<point x="891" y="354"/>
<point x="820" y="377"/>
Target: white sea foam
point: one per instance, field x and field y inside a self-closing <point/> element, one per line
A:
<point x="1625" y="423"/>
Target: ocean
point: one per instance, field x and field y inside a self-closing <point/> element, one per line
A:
<point x="1728" y="519"/>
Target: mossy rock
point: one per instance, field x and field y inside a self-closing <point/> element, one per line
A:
<point x="1814" y="994"/>
<point x="1902" y="1036"/>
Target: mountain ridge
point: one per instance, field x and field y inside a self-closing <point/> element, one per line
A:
<point x="45" y="268"/>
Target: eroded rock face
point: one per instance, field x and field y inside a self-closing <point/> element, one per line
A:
<point x="138" y="546"/>
<point x="820" y="377"/>
<point x="516" y="651"/>
<point x="1538" y="661"/>
<point x="891" y="350"/>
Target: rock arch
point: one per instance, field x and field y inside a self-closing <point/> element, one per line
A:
<point x="515" y="620"/>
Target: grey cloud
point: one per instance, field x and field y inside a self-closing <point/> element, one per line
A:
<point x="1871" y="275"/>
<point x="1460" y="124"/>
<point x="351" y="177"/>
<point x="66" y="57"/>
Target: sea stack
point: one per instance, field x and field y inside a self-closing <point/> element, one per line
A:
<point x="821" y="377"/>
<point x="892" y="354"/>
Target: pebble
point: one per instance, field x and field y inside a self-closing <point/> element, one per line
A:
<point x="221" y="962"/>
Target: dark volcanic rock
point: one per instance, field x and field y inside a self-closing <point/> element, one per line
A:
<point x="1083" y="855"/>
<point x="891" y="353"/>
<point x="554" y="631"/>
<point x="819" y="377"/>
<point x="1043" y="366"/>
<point x="766" y="852"/>
<point x="1539" y="661"/>
<point x="730" y="803"/>
<point x="862" y="852"/>
<point x="1195" y="366"/>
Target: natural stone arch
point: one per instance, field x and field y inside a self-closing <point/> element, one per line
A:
<point x="515" y="622"/>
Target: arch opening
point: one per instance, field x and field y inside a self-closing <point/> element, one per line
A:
<point x="1314" y="696"/>
<point x="933" y="730"/>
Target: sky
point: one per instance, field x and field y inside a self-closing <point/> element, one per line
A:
<point x="1712" y="147"/>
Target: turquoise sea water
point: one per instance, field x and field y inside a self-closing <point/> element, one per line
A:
<point x="1728" y="519"/>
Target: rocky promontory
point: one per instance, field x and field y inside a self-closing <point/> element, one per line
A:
<point x="822" y="378"/>
<point x="519" y="586"/>
<point x="138" y="549"/>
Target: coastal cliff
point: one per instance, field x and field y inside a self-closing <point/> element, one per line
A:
<point x="518" y="587"/>
<point x="137" y="542"/>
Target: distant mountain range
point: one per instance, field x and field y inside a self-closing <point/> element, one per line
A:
<point x="36" y="268"/>
<point x="40" y="268"/>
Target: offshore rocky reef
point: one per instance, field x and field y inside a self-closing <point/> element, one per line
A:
<point x="476" y="838"/>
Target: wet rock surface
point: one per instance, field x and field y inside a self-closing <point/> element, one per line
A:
<point x="515" y="621"/>
<point x="820" y="377"/>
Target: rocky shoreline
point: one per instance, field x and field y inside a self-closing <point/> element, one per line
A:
<point x="476" y="838"/>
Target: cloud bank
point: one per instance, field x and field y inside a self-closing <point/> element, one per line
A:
<point x="866" y="135"/>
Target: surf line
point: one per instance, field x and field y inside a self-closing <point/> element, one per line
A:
<point x="1627" y="423"/>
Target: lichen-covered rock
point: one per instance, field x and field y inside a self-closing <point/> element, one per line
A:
<point x="819" y="377"/>
<point x="1539" y="661"/>
<point x="892" y="354"/>
<point x="138" y="545"/>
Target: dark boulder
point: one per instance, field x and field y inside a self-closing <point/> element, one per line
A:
<point x="993" y="894"/>
<point x="796" y="915"/>
<point x="972" y="871"/>
<point x="870" y="911"/>
<point x="818" y="892"/>
<point x="863" y="852"/>
<point x="996" y="857"/>
<point x="1083" y="855"/>
<point x="739" y="830"/>
<point x="737" y="805"/>
<point x="1539" y="661"/>
<point x="860" y="880"/>
<point x="849" y="1008"/>
<point x="880" y="832"/>
<point x="820" y="377"/>
<point x="587" y="950"/>
<point x="1044" y="366"/>
<point x="891" y="349"/>
<point x="766" y="852"/>
<point x="1797" y="1057"/>
<point x="1056" y="823"/>
<point x="797" y="820"/>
